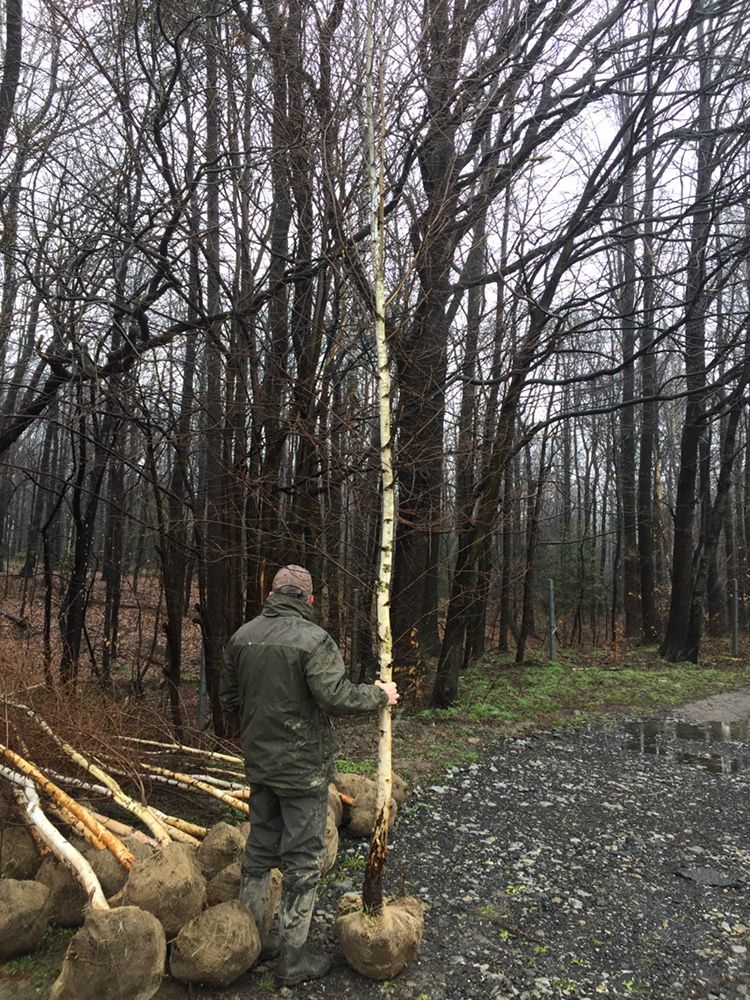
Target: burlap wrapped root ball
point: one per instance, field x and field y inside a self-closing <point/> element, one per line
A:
<point x="67" y="897"/>
<point x="19" y="857"/>
<point x="274" y="890"/>
<point x="116" y="955"/>
<point x="169" y="885"/>
<point x="139" y="848"/>
<point x="222" y="845"/>
<point x="381" y="946"/>
<point x="215" y="947"/>
<point x="332" y="842"/>
<point x="225" y="885"/>
<point x="112" y="876"/>
<point x="25" y="909"/>
<point x="335" y="805"/>
<point x="399" y="789"/>
<point x="359" y="818"/>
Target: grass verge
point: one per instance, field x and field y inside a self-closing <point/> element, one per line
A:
<point x="499" y="699"/>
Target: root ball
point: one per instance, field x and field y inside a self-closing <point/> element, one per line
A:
<point x="67" y="897"/>
<point x="379" y="947"/>
<point x="19" y="857"/>
<point x="225" y="885"/>
<point x="117" y="954"/>
<point x="25" y="909"/>
<point x="222" y="845"/>
<point x="169" y="885"/>
<point x="112" y="876"/>
<point x="332" y="843"/>
<point x="399" y="789"/>
<point x="360" y="821"/>
<point x="215" y="947"/>
<point x="335" y="804"/>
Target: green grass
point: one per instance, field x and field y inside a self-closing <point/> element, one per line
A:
<point x="42" y="966"/>
<point x="346" y="766"/>
<point x="544" y="692"/>
<point x="267" y="983"/>
<point x="352" y="863"/>
<point x="498" y="698"/>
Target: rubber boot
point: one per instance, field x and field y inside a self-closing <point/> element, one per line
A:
<point x="254" y="895"/>
<point x="297" y="963"/>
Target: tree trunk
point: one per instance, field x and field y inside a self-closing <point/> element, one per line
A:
<point x="631" y="582"/>
<point x="214" y="619"/>
<point x="678" y="643"/>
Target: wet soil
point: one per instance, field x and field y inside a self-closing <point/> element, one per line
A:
<point x="573" y="863"/>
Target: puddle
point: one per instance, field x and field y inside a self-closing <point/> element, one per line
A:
<point x="707" y="745"/>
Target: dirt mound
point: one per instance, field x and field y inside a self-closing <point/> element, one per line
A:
<point x="380" y="947"/>
<point x="225" y="885"/>
<point x="118" y="954"/>
<point x="222" y="845"/>
<point x="169" y="885"/>
<point x="68" y="899"/>
<point x="19" y="857"/>
<point x="25" y="909"/>
<point x="215" y="947"/>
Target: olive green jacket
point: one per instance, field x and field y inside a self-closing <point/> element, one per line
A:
<point x="284" y="674"/>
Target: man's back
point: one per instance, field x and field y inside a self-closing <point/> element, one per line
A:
<point x="284" y="673"/>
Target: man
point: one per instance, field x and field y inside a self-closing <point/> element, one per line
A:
<point x="284" y="675"/>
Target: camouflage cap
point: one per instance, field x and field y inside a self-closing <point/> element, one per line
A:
<point x="293" y="576"/>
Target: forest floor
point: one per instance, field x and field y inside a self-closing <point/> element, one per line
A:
<point x="570" y="833"/>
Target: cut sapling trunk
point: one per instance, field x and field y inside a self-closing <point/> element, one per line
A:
<point x="380" y="937"/>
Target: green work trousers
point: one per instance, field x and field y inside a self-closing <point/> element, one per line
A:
<point x="286" y="832"/>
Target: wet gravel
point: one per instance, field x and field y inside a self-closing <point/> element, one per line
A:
<point x="568" y="864"/>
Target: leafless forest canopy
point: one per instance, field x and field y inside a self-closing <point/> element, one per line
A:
<point x="187" y="361"/>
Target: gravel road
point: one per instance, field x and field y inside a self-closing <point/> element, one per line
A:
<point x="587" y="862"/>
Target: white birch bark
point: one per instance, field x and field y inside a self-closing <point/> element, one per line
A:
<point x="143" y="813"/>
<point x="26" y="795"/>
<point x="372" y="891"/>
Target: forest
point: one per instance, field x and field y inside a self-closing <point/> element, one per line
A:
<point x="188" y="372"/>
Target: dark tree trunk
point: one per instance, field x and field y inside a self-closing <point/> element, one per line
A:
<point x="11" y="65"/>
<point x="214" y="619"/>
<point x="84" y="503"/>
<point x="532" y="536"/>
<point x="631" y="582"/>
<point x="714" y="521"/>
<point x="506" y="580"/>
<point x="112" y="565"/>
<point x="678" y="643"/>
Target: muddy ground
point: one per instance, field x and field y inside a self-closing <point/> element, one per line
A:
<point x="609" y="860"/>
